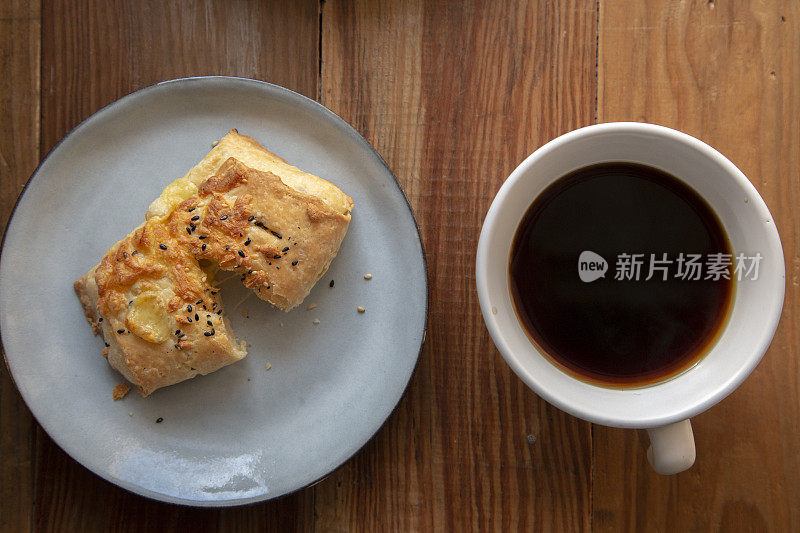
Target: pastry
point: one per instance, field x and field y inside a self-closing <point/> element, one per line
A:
<point x="161" y="318"/>
<point x="241" y="209"/>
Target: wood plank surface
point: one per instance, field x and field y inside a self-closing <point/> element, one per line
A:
<point x="93" y="53"/>
<point x="454" y="96"/>
<point x="727" y="72"/>
<point x="96" y="51"/>
<point x="20" y="40"/>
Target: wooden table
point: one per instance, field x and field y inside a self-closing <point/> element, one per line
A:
<point x="454" y="95"/>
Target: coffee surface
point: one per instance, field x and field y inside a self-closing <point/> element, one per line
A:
<point x="617" y="327"/>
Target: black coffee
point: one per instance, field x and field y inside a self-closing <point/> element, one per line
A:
<point x="617" y="329"/>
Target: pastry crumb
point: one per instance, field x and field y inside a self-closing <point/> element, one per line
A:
<point x="367" y="276"/>
<point x="266" y="326"/>
<point x="245" y="314"/>
<point x="281" y="324"/>
<point x="159" y="420"/>
<point x="120" y="391"/>
<point x="310" y="307"/>
<point x="269" y="366"/>
<point x="214" y="144"/>
<point x="130" y="414"/>
<point x="105" y="352"/>
<point x="361" y="309"/>
<point x="316" y="321"/>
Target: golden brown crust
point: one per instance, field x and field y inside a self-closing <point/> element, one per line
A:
<point x="251" y="154"/>
<point x="280" y="240"/>
<point x="144" y="299"/>
<point x="120" y="391"/>
<point x="156" y="306"/>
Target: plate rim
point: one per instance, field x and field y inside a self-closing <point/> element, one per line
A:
<point x="348" y="128"/>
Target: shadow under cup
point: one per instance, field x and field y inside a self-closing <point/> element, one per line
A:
<point x="756" y="305"/>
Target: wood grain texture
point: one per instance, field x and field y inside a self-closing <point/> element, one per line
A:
<point x="96" y="51"/>
<point x="20" y="25"/>
<point x="93" y="53"/>
<point x="727" y="72"/>
<point x="454" y="96"/>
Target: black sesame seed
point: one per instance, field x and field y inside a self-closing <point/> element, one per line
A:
<point x="198" y="302"/>
<point x="203" y="247"/>
<point x="227" y="246"/>
<point x="294" y="263"/>
<point x="330" y="284"/>
<point x="191" y="209"/>
<point x="162" y="246"/>
<point x="278" y="235"/>
<point x="204" y="307"/>
<point x="100" y="319"/>
<point x="189" y="308"/>
<point x="247" y="242"/>
<point x="224" y="217"/>
<point x="259" y="224"/>
<point x="188" y="230"/>
<point x="189" y="318"/>
<point x="120" y="331"/>
<point x="196" y="217"/>
<point x="125" y="255"/>
<point x="213" y="293"/>
<point x="202" y="236"/>
<point x="159" y="420"/>
<point x="251" y="218"/>
<point x="285" y="249"/>
<point x="107" y="345"/>
<point x="134" y="252"/>
<point x="276" y="256"/>
<point x="241" y="253"/>
<point x="177" y="332"/>
<point x="196" y="318"/>
<point x="177" y="347"/>
<point x="209" y="323"/>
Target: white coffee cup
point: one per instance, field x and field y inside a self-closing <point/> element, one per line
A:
<point x="663" y="408"/>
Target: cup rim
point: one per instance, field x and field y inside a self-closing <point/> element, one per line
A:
<point x="597" y="415"/>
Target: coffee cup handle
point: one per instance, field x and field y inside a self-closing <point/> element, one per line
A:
<point x="671" y="447"/>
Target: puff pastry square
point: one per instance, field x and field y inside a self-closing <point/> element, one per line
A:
<point x="241" y="209"/>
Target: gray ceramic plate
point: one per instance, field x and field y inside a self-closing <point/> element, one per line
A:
<point x="244" y="433"/>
